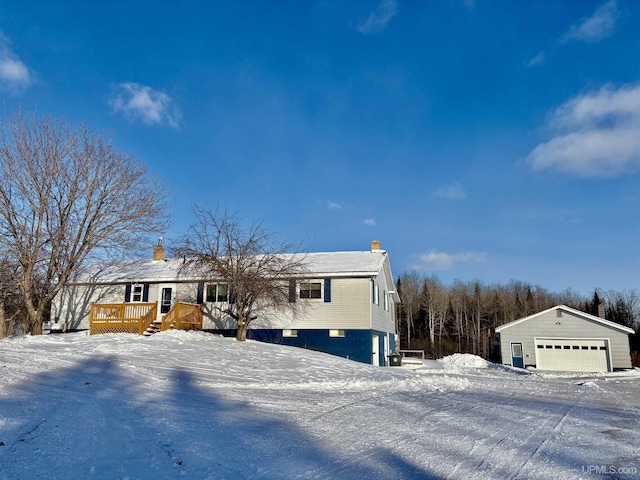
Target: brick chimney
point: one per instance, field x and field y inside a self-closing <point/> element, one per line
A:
<point x="158" y="251"/>
<point x="601" y="310"/>
<point x="375" y="246"/>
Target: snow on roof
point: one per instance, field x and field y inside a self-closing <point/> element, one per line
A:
<point x="573" y="311"/>
<point x="336" y="264"/>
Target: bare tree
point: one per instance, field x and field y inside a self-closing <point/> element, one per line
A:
<point x="9" y="300"/>
<point x="410" y="305"/>
<point x="66" y="194"/>
<point x="258" y="268"/>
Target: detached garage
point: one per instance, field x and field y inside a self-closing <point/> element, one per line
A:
<point x="562" y="338"/>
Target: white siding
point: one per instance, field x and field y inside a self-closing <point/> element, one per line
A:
<point x="73" y="304"/>
<point x="349" y="308"/>
<point x="383" y="319"/>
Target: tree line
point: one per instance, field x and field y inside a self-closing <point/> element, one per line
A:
<point x="461" y="317"/>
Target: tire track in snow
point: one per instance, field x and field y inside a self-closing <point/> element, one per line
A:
<point x="522" y="440"/>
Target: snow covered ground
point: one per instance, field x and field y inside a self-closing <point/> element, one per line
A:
<point x="194" y="405"/>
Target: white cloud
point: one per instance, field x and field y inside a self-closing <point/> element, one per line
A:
<point x="141" y="102"/>
<point x="369" y="222"/>
<point x="377" y="21"/>
<point x="538" y="60"/>
<point x="596" y="27"/>
<point x="444" y="261"/>
<point x="596" y="135"/>
<point x="453" y="191"/>
<point x="333" y="205"/>
<point x="14" y="74"/>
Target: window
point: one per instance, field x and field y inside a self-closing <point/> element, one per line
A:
<point x="516" y="349"/>
<point x="310" y="290"/>
<point x="375" y="293"/>
<point x="217" y="292"/>
<point x="336" y="333"/>
<point x="136" y="293"/>
<point x="385" y="298"/>
<point x="289" y="333"/>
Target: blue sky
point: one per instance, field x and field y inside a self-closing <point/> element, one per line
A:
<point x="481" y="139"/>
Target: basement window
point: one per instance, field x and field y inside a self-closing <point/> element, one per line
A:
<point x="336" y="333"/>
<point x="287" y="332"/>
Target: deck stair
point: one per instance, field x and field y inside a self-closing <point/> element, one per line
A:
<point x="182" y="316"/>
<point x="154" y="327"/>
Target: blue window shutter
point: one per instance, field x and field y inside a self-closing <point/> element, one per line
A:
<point x="127" y="293"/>
<point x="292" y="291"/>
<point x="327" y="290"/>
<point x="145" y="292"/>
<point x="200" y="298"/>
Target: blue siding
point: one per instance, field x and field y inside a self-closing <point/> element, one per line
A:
<point x="355" y="345"/>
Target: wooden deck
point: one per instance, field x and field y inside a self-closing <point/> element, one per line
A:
<point x="137" y="317"/>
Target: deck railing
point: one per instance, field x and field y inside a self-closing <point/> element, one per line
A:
<point x="120" y="317"/>
<point x="137" y="317"/>
<point x="148" y="319"/>
<point x="183" y="316"/>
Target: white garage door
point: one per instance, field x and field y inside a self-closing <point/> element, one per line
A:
<point x="572" y="355"/>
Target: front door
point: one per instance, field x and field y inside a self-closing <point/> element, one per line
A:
<point x="516" y="355"/>
<point x="166" y="296"/>
<point x="375" y="356"/>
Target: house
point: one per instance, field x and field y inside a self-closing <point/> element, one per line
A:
<point x="562" y="338"/>
<point x="350" y="301"/>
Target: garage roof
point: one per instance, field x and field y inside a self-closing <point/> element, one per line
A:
<point x="572" y="311"/>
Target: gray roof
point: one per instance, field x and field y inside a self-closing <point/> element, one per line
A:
<point x="324" y="264"/>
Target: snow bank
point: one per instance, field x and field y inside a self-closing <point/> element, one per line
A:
<point x="464" y="361"/>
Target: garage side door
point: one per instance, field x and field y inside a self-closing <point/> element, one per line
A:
<point x="572" y="355"/>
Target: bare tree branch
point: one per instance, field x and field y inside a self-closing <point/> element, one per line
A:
<point x="66" y="194"/>
<point x="251" y="261"/>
